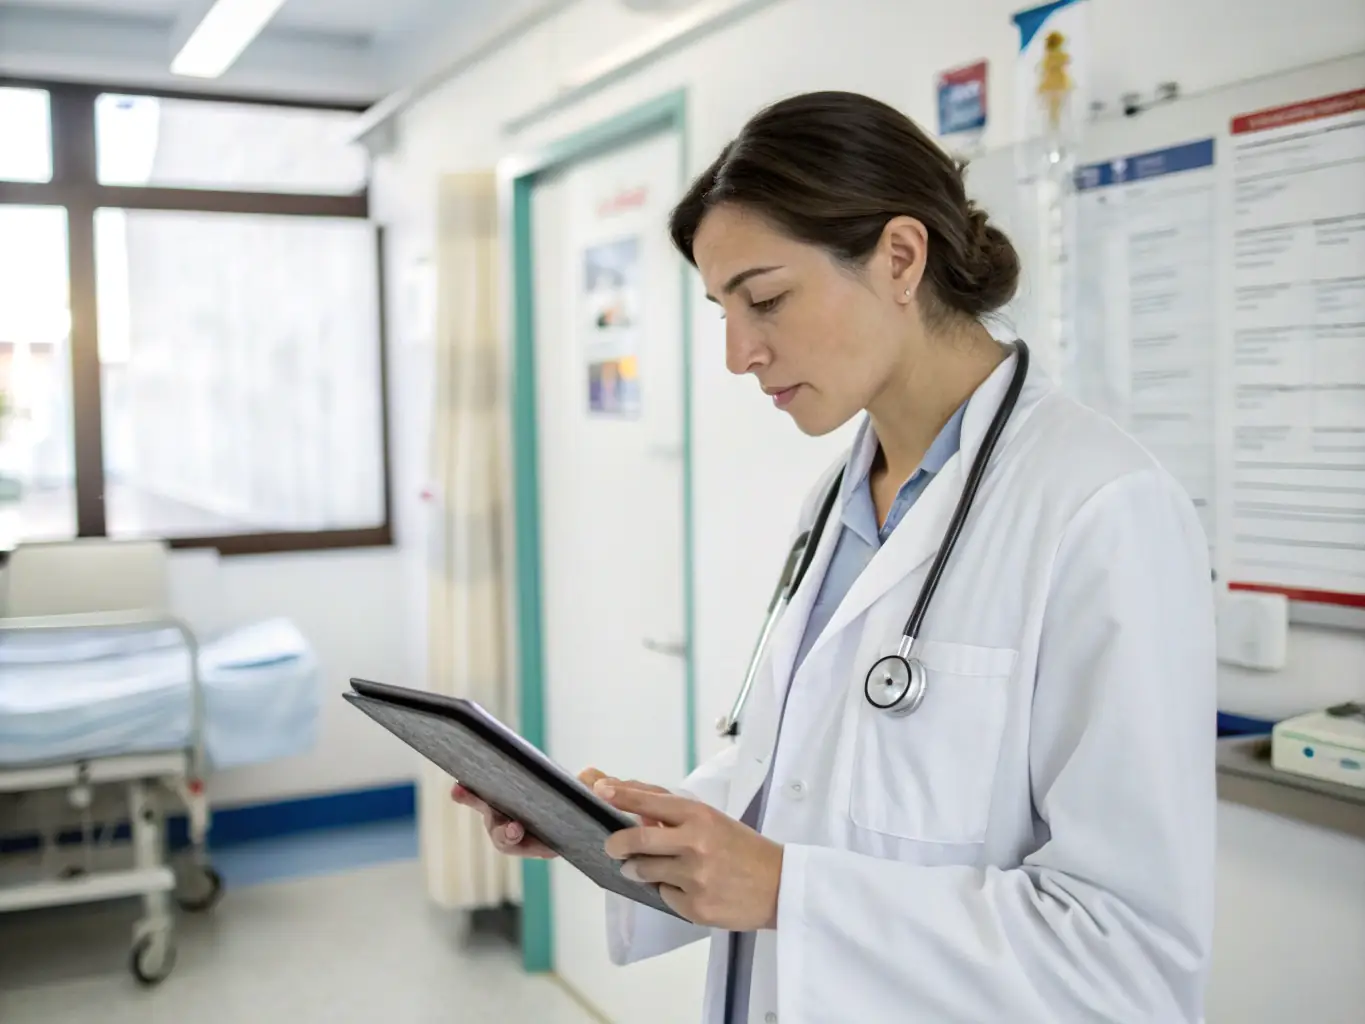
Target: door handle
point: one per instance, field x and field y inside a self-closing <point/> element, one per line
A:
<point x="671" y="648"/>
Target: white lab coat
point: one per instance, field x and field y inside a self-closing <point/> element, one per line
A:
<point x="1036" y="842"/>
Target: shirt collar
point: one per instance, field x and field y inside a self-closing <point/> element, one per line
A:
<point x="856" y="510"/>
<point x="946" y="444"/>
<point x="866" y="445"/>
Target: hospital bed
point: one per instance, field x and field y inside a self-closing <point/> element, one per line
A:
<point x="101" y="686"/>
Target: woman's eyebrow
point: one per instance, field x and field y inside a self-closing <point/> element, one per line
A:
<point x="741" y="277"/>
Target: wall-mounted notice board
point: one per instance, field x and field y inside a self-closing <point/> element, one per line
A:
<point x="1218" y="313"/>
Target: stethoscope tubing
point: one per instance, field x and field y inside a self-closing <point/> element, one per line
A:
<point x="901" y="664"/>
<point x="964" y="502"/>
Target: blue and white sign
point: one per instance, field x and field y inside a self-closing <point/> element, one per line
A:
<point x="962" y="100"/>
<point x="1143" y="166"/>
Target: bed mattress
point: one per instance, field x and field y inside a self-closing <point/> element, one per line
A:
<point x="66" y="696"/>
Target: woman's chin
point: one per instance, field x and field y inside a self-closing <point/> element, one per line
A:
<point x="816" y="421"/>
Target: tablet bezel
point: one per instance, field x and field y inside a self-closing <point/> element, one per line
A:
<point x="477" y="720"/>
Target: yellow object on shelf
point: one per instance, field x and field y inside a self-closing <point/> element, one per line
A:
<point x="1054" y="80"/>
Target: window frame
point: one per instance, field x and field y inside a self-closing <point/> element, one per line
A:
<point x="75" y="186"/>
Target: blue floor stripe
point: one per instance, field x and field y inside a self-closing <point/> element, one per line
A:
<point x="328" y="810"/>
<point x="314" y="853"/>
<point x="233" y="825"/>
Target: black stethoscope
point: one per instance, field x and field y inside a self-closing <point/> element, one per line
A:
<point x="897" y="683"/>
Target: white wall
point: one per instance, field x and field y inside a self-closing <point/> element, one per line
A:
<point x="892" y="49"/>
<point x="350" y="605"/>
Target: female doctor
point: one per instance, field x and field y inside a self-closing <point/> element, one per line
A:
<point x="1001" y="812"/>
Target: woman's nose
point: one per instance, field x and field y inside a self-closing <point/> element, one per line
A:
<point x="744" y="350"/>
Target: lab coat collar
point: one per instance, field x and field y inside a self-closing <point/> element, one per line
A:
<point x="860" y="458"/>
<point x="986" y="399"/>
<point x="918" y="536"/>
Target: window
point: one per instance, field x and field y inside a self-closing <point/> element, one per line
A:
<point x="144" y="140"/>
<point x="37" y="472"/>
<point x="190" y="323"/>
<point x="248" y="402"/>
<point x="25" y="135"/>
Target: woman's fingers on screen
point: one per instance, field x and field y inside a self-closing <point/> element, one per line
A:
<point x="590" y="777"/>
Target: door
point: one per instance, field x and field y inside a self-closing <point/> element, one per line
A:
<point x="609" y="364"/>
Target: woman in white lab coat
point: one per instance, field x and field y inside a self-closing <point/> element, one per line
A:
<point x="1036" y="841"/>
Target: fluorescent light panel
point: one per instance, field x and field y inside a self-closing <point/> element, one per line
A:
<point x="217" y="41"/>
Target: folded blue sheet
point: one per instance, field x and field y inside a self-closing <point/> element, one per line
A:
<point x="74" y="695"/>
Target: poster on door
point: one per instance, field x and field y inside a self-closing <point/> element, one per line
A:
<point x="611" y="326"/>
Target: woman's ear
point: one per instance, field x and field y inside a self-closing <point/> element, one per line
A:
<point x="905" y="250"/>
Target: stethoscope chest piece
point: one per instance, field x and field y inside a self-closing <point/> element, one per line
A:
<point x="896" y="684"/>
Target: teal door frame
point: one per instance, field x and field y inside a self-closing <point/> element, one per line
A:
<point x="518" y="176"/>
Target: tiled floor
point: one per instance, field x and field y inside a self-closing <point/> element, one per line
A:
<point x="331" y="927"/>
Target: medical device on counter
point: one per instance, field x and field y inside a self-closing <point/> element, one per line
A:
<point x="1327" y="745"/>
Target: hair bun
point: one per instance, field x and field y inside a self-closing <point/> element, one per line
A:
<point x="993" y="259"/>
<point x="978" y="221"/>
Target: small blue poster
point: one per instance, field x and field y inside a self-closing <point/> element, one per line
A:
<point x="962" y="100"/>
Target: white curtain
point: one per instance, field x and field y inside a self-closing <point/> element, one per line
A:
<point x="467" y="583"/>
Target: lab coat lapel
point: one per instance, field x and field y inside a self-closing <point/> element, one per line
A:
<point x="916" y="540"/>
<point x="910" y="546"/>
<point x="758" y="735"/>
<point x="792" y="627"/>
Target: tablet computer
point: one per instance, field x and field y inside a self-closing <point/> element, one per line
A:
<point x="510" y="775"/>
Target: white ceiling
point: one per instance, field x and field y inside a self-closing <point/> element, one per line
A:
<point x="375" y="18"/>
<point x="343" y="49"/>
<point x="135" y="7"/>
<point x="366" y="18"/>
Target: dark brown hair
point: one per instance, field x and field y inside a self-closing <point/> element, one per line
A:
<point x="831" y="168"/>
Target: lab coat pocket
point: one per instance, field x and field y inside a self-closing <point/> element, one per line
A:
<point x="928" y="776"/>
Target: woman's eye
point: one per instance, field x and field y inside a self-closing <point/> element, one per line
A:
<point x="767" y="305"/>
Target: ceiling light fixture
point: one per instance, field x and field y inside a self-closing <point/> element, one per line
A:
<point x="219" y="39"/>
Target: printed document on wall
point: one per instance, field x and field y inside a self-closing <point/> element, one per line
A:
<point x="1296" y="511"/>
<point x="1147" y="307"/>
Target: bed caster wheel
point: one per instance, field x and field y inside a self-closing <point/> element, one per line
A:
<point x="200" y="889"/>
<point x="152" y="958"/>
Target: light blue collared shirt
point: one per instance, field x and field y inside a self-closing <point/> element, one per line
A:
<point x="860" y="538"/>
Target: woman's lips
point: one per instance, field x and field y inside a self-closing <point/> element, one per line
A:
<point x="782" y="397"/>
